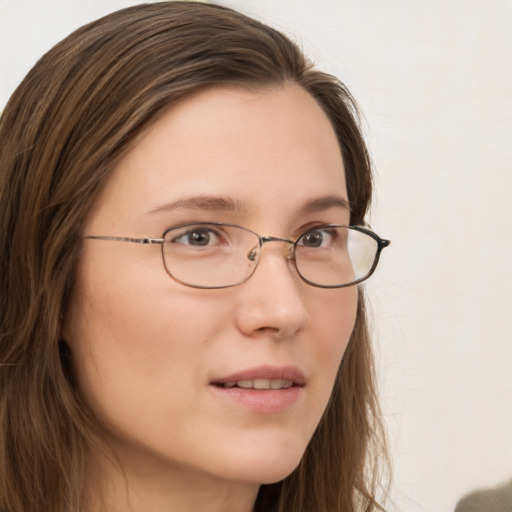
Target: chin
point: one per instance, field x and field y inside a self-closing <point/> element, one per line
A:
<point x="267" y="465"/>
<point x="273" y="476"/>
<point x="269" y="474"/>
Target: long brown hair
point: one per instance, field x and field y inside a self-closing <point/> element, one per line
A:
<point x="74" y="116"/>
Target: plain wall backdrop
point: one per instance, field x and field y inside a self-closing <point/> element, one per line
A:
<point x="434" y="82"/>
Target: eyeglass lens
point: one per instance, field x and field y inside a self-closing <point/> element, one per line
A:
<point x="222" y="255"/>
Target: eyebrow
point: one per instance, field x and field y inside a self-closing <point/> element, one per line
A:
<point x="203" y="202"/>
<point x="324" y="203"/>
<point x="227" y="204"/>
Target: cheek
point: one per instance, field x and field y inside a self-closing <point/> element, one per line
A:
<point x="333" y="319"/>
<point x="131" y="341"/>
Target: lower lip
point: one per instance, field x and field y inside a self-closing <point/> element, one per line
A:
<point x="261" y="400"/>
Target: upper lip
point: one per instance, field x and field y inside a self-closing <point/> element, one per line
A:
<point x="291" y="373"/>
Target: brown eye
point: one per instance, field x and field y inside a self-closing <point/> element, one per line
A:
<point x="316" y="238"/>
<point x="312" y="239"/>
<point x="198" y="237"/>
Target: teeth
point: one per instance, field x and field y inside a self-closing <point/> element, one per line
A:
<point x="276" y="384"/>
<point x="260" y="384"/>
<point x="245" y="383"/>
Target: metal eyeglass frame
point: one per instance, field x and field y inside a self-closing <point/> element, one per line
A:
<point x="381" y="244"/>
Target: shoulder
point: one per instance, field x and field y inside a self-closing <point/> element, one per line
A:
<point x="497" y="499"/>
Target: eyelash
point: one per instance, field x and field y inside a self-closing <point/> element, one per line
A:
<point x="211" y="230"/>
<point x="195" y="229"/>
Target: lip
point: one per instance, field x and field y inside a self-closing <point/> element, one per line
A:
<point x="264" y="401"/>
<point x="266" y="372"/>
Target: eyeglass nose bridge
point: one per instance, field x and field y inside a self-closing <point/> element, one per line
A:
<point x="251" y="255"/>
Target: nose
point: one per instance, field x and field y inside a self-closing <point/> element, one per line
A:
<point x="272" y="300"/>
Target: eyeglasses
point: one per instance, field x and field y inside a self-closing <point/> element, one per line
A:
<point x="218" y="255"/>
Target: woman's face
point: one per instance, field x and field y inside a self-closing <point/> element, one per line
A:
<point x="150" y="354"/>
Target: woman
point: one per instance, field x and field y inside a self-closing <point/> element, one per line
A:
<point x="157" y="352"/>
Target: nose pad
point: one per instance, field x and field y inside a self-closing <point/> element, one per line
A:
<point x="291" y="243"/>
<point x="253" y="253"/>
<point x="291" y="252"/>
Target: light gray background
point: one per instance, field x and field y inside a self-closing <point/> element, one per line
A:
<point x="434" y="80"/>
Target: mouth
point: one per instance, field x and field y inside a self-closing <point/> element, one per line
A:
<point x="258" y="383"/>
<point x="262" y="390"/>
<point x="263" y="378"/>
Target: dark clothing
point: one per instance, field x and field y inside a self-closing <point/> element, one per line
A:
<point x="497" y="499"/>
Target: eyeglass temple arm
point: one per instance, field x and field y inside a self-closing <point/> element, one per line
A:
<point x="381" y="242"/>
<point x="145" y="240"/>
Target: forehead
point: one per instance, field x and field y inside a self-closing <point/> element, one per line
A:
<point x="270" y="148"/>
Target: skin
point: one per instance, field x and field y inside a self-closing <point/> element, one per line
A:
<point x="146" y="349"/>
